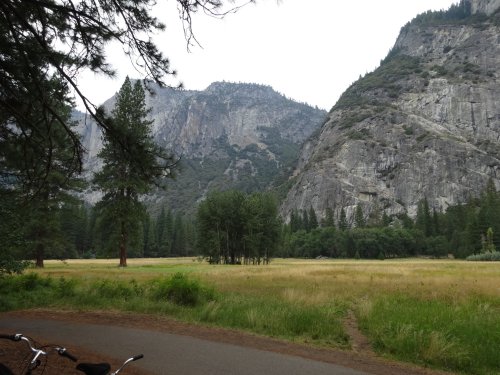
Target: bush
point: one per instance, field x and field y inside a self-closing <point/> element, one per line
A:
<point x="32" y="281"/>
<point x="181" y="291"/>
<point x="117" y="289"/>
<point x="65" y="287"/>
<point x="491" y="257"/>
<point x="10" y="266"/>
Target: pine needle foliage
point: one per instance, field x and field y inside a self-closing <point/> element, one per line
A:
<point x="129" y="172"/>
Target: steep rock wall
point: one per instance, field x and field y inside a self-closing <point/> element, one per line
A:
<point x="425" y="124"/>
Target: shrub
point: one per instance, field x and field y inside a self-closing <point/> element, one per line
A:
<point x="117" y="289"/>
<point x="32" y="281"/>
<point x="491" y="257"/>
<point x="11" y="266"/>
<point x="66" y="287"/>
<point x="181" y="291"/>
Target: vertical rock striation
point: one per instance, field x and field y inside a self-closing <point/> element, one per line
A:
<point x="425" y="124"/>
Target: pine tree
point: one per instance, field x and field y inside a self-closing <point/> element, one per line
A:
<point x="424" y="219"/>
<point x="146" y="225"/>
<point x="296" y="221"/>
<point x="489" y="211"/>
<point x="305" y="221"/>
<point x="386" y="220"/>
<point x="178" y="236"/>
<point x="489" y="246"/>
<point x="37" y="161"/>
<point x="132" y="165"/>
<point x="343" y="224"/>
<point x="359" y="218"/>
<point x="329" y="221"/>
<point x="313" y="219"/>
<point x="164" y="232"/>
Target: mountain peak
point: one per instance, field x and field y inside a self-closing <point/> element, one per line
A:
<point x="240" y="89"/>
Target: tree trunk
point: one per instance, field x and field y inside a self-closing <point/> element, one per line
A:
<point x="123" y="246"/>
<point x="39" y="255"/>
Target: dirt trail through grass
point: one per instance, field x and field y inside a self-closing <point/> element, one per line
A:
<point x="359" y="342"/>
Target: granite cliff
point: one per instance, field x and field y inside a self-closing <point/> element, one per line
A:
<point x="231" y="135"/>
<point x="425" y="124"/>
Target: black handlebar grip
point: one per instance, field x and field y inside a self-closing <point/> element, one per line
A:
<point x="9" y="337"/>
<point x="67" y="354"/>
<point x="139" y="356"/>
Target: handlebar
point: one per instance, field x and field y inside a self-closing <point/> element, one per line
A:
<point x="134" y="358"/>
<point x="15" y="337"/>
<point x="64" y="352"/>
<point x="88" y="368"/>
<point x="37" y="352"/>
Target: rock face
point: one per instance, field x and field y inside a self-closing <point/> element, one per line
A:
<point x="487" y="7"/>
<point x="243" y="136"/>
<point x="425" y="124"/>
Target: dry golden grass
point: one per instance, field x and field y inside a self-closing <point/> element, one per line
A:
<point x="309" y="281"/>
<point x="442" y="313"/>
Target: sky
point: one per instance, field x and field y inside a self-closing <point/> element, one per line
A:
<point x="308" y="50"/>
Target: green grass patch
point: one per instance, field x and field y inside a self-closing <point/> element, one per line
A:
<point x="321" y="325"/>
<point x="182" y="297"/>
<point x="463" y="337"/>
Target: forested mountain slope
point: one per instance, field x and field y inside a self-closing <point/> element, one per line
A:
<point x="425" y="124"/>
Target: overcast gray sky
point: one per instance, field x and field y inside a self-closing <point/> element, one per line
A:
<point x="309" y="50"/>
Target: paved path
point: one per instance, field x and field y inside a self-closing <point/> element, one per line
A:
<point x="171" y="354"/>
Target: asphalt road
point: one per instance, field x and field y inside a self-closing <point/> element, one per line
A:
<point x="171" y="354"/>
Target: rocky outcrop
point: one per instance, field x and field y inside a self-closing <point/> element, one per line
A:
<point x="425" y="124"/>
<point x="487" y="7"/>
<point x="244" y="136"/>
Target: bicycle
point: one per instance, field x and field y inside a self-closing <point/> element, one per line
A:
<point x="38" y="353"/>
<point x="37" y="356"/>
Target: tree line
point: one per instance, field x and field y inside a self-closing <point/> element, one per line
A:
<point x="88" y="235"/>
<point x="462" y="230"/>
<point x="232" y="227"/>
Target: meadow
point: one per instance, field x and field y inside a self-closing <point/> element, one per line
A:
<point x="439" y="313"/>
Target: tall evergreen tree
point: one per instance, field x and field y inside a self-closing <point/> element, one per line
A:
<point x="179" y="236"/>
<point x="313" y="219"/>
<point x="305" y="221"/>
<point x="424" y="220"/>
<point x="386" y="220"/>
<point x="13" y="238"/>
<point x="296" y="222"/>
<point x="359" y="218"/>
<point x="164" y="232"/>
<point x="489" y="212"/>
<point x="132" y="165"/>
<point x="37" y="159"/>
<point x="343" y="224"/>
<point x="146" y="244"/>
<point x="329" y="221"/>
